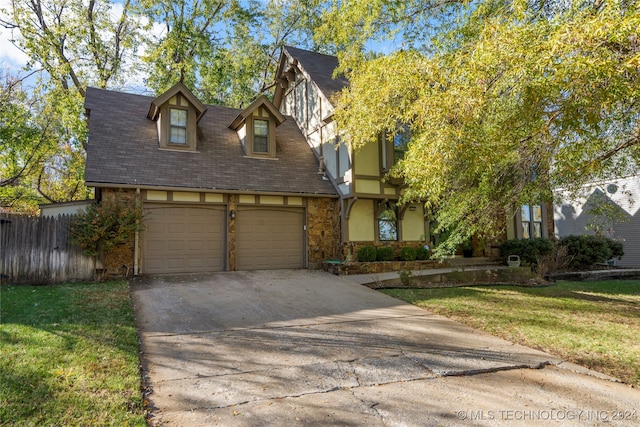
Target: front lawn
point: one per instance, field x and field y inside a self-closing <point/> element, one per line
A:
<point x="69" y="356"/>
<point x="594" y="324"/>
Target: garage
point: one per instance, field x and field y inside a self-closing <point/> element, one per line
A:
<point x="270" y="238"/>
<point x="183" y="239"/>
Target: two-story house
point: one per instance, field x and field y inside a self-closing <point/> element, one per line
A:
<point x="270" y="186"/>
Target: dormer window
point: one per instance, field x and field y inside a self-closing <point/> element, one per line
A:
<point x="178" y="126"/>
<point x="177" y="113"/>
<point x="260" y="136"/>
<point x="256" y="128"/>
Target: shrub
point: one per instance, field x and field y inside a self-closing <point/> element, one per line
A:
<point x="367" y="254"/>
<point x="408" y="254"/>
<point x="104" y="226"/>
<point x="422" y="253"/>
<point x="530" y="251"/>
<point x="405" y="277"/>
<point x="385" y="253"/>
<point x="587" y="251"/>
<point x="617" y="249"/>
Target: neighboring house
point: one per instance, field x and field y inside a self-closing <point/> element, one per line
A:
<point x="270" y="186"/>
<point x="620" y="199"/>
<point x="64" y="208"/>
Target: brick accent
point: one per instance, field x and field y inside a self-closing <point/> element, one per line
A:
<point x="323" y="230"/>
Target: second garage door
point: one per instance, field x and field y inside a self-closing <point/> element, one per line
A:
<point x="269" y="238"/>
<point x="183" y="239"/>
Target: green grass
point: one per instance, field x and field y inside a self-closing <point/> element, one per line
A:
<point x="594" y="324"/>
<point x="69" y="356"/>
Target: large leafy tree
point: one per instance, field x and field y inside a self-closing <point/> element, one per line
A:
<point x="226" y="51"/>
<point x="70" y="45"/>
<point x="505" y="100"/>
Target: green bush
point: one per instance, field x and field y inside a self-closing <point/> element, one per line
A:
<point x="587" y="251"/>
<point x="385" y="253"/>
<point x="617" y="249"/>
<point x="422" y="253"/>
<point x="367" y="254"/>
<point x="530" y="251"/>
<point x="408" y="254"/>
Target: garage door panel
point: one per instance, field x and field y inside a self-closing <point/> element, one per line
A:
<point x="270" y="238"/>
<point x="184" y="239"/>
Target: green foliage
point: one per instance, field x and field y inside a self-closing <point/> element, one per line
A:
<point x="103" y="226"/>
<point x="225" y="51"/>
<point x="367" y="254"/>
<point x="422" y="253"/>
<point x="406" y="277"/>
<point x="495" y="99"/>
<point x="530" y="251"/>
<point x="408" y="254"/>
<point x="587" y="251"/>
<point x="384" y="253"/>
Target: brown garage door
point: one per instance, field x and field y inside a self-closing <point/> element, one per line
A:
<point x="269" y="238"/>
<point x="183" y="239"/>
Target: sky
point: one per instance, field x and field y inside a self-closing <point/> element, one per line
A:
<point x="13" y="59"/>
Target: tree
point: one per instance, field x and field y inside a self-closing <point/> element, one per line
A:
<point x="506" y="101"/>
<point x="226" y="51"/>
<point x="22" y="146"/>
<point x="70" y="45"/>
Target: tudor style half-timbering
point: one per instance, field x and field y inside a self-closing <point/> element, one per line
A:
<point x="226" y="190"/>
<point x="270" y="186"/>
<point x="370" y="210"/>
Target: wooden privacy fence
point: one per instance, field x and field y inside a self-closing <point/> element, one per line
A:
<point x="36" y="250"/>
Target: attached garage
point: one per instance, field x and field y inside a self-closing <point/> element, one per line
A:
<point x="183" y="238"/>
<point x="270" y="238"/>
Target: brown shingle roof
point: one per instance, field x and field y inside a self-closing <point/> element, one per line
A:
<point x="123" y="149"/>
<point x="320" y="68"/>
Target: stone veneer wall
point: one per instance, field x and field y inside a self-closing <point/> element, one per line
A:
<point x="323" y="230"/>
<point x="121" y="261"/>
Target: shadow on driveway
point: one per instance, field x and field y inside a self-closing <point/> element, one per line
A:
<point x="297" y="347"/>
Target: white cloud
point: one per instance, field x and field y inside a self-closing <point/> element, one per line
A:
<point x="10" y="55"/>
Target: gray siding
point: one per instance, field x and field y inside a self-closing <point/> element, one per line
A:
<point x="622" y="196"/>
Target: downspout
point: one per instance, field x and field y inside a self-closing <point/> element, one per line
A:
<point x="136" y="241"/>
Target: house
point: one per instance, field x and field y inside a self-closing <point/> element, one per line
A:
<point x="610" y="208"/>
<point x="270" y="186"/>
<point x="64" y="208"/>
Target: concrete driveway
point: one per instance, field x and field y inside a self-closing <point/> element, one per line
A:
<point x="306" y="348"/>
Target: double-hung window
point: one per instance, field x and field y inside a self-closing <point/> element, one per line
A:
<point x="260" y="136"/>
<point x="531" y="219"/>
<point x="177" y="126"/>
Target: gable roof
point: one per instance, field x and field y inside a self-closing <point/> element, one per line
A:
<point x="262" y="101"/>
<point x="319" y="67"/>
<point x="179" y="87"/>
<point x="123" y="150"/>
